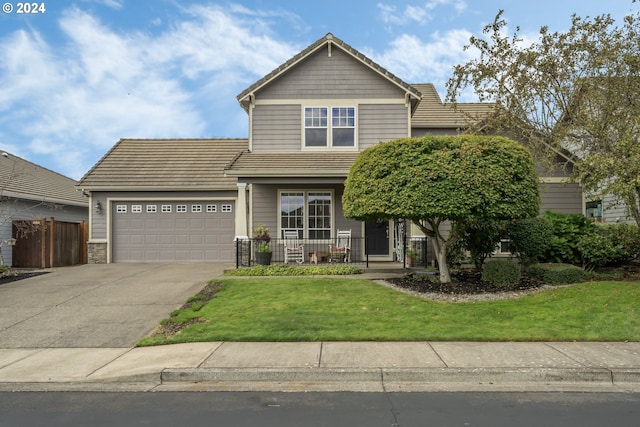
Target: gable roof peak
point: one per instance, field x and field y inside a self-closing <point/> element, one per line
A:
<point x="244" y="98"/>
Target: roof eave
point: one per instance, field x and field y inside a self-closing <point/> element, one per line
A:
<point x="291" y="173"/>
<point x="52" y="200"/>
<point x="105" y="188"/>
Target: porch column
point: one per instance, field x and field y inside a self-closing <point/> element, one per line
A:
<point x="241" y="212"/>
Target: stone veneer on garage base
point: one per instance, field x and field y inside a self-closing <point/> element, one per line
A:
<point x="97" y="253"/>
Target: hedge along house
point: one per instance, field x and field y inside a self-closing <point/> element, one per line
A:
<point x="308" y="121"/>
<point x="30" y="193"/>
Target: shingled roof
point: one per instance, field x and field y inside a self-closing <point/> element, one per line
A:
<point x="292" y="164"/>
<point x="243" y="98"/>
<point x="432" y="113"/>
<point x="165" y="164"/>
<point x="21" y="179"/>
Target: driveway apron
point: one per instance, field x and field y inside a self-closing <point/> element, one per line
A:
<point x="96" y="305"/>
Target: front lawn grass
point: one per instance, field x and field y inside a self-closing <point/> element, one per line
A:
<point x="337" y="309"/>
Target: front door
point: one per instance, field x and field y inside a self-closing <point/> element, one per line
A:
<point x="377" y="237"/>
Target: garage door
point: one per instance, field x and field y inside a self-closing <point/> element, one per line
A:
<point x="181" y="231"/>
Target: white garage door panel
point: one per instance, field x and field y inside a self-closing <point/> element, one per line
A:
<point x="161" y="236"/>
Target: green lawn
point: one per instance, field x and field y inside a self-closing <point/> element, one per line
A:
<point x="337" y="309"/>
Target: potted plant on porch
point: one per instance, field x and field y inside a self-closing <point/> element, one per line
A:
<point x="262" y="239"/>
<point x="409" y="254"/>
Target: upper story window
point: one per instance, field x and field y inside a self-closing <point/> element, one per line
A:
<point x="330" y="127"/>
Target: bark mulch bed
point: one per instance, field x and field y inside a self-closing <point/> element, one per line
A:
<point x="12" y="275"/>
<point x="463" y="283"/>
<point x="466" y="286"/>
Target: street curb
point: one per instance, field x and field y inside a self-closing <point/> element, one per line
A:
<point x="399" y="375"/>
<point x="625" y="376"/>
<point x="199" y="375"/>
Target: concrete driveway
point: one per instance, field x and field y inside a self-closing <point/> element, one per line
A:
<point x="112" y="305"/>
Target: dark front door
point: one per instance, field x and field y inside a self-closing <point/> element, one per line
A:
<point x="377" y="237"/>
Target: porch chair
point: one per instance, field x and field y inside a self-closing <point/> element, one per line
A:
<point x="341" y="251"/>
<point x="293" y="249"/>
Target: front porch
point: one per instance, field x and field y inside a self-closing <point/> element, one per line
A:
<point x="408" y="253"/>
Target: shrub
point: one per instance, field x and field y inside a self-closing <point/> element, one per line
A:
<point x="501" y="273"/>
<point x="596" y="251"/>
<point x="557" y="273"/>
<point x="567" y="231"/>
<point x="480" y="237"/>
<point x="294" y="270"/>
<point x="529" y="239"/>
<point x="609" y="244"/>
<point x="625" y="239"/>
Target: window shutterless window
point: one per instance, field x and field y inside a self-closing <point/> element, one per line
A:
<point x="329" y="127"/>
<point x="315" y="127"/>
<point x="343" y="126"/>
<point x="308" y="212"/>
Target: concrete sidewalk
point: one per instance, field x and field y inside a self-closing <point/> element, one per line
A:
<point x="329" y="366"/>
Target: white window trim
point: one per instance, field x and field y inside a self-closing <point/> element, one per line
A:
<point x="305" y="214"/>
<point x="166" y="208"/>
<point x="329" y="145"/>
<point x="211" y="208"/>
<point x="181" y="208"/>
<point x="196" y="208"/>
<point x="152" y="208"/>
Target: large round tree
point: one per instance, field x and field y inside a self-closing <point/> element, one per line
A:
<point x="438" y="181"/>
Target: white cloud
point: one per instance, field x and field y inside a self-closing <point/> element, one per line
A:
<point x="72" y="102"/>
<point x="114" y="4"/>
<point x="431" y="61"/>
<point x="420" y="14"/>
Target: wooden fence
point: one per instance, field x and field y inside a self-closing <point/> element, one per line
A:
<point x="49" y="243"/>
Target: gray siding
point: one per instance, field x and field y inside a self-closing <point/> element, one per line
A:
<point x="338" y="76"/>
<point x="277" y="128"/>
<point x="381" y="122"/>
<point x="566" y="198"/>
<point x="612" y="212"/>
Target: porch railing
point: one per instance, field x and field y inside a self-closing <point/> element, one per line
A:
<point x="314" y="252"/>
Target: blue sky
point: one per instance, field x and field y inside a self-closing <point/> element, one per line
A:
<point x="85" y="73"/>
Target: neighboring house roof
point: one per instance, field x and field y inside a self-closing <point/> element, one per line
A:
<point x="21" y="179"/>
<point x="432" y="113"/>
<point x="329" y="39"/>
<point x="165" y="164"/>
<point x="291" y="164"/>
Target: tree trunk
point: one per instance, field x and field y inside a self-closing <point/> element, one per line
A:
<point x="439" y="246"/>
<point x="440" y="249"/>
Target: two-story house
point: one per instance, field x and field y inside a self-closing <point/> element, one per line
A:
<point x="187" y="200"/>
